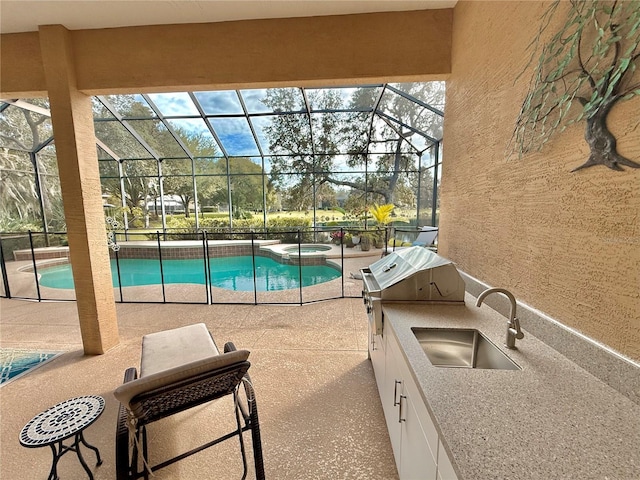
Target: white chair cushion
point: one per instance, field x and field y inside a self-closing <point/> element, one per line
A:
<point x="173" y="348"/>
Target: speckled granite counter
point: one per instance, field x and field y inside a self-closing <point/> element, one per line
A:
<point x="550" y="420"/>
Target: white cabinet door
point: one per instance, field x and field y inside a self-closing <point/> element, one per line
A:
<point x="416" y="461"/>
<point x="390" y="396"/>
<point x="413" y="457"/>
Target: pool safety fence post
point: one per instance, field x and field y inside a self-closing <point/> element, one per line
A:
<point x="164" y="299"/>
<point x="205" y="256"/>
<point x="255" y="274"/>
<point x="3" y="266"/>
<point x="342" y="262"/>
<point x="300" y="263"/>
<point x="118" y="272"/>
<point x="35" y="268"/>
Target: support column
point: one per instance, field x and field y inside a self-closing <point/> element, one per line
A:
<point x="72" y="118"/>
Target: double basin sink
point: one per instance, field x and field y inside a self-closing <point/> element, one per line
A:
<point x="461" y="348"/>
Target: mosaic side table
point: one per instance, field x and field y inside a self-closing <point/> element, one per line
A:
<point x="64" y="420"/>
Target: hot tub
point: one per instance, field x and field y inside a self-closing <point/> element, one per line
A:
<point x="307" y="248"/>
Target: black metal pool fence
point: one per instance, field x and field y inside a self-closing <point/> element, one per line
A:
<point x="23" y="255"/>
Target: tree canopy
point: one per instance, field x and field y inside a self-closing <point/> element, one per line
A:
<point x="319" y="157"/>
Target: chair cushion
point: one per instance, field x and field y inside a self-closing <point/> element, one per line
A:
<point x="125" y="392"/>
<point x="172" y="348"/>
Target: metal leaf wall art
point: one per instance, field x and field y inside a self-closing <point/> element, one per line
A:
<point x="583" y="71"/>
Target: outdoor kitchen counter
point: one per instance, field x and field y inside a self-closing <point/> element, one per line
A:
<point x="550" y="420"/>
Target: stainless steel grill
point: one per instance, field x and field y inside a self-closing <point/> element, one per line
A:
<point x="413" y="274"/>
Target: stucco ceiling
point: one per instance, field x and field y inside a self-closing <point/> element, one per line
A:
<point x="26" y="15"/>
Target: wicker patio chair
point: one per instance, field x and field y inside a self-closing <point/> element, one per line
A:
<point x="153" y="397"/>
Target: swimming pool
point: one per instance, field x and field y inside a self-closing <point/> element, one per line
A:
<point x="231" y="273"/>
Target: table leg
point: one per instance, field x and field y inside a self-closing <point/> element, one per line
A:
<point x="53" y="474"/>
<point x="95" y="449"/>
<point x="80" y="439"/>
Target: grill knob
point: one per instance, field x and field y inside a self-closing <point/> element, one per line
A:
<point x="368" y="308"/>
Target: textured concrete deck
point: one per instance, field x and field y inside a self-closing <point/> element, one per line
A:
<point x="320" y="413"/>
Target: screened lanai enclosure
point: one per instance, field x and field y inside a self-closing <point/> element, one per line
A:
<point x="269" y="167"/>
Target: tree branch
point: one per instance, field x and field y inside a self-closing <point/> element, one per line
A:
<point x="628" y="90"/>
<point x="355" y="186"/>
<point x="21" y="146"/>
<point x="582" y="66"/>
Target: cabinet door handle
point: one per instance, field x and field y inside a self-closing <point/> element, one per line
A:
<point x="395" y="393"/>
<point x="373" y="342"/>
<point x="400" y="419"/>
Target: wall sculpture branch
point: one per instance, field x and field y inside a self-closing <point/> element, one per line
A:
<point x="586" y="68"/>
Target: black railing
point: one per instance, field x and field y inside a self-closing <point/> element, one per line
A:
<point x="25" y="257"/>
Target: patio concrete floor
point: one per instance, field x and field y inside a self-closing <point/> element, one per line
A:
<point x="320" y="414"/>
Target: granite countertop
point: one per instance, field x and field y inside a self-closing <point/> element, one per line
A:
<point x="550" y="420"/>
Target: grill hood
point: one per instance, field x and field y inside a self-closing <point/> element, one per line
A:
<point x="414" y="273"/>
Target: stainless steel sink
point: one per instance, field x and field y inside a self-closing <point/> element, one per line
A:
<point x="461" y="348"/>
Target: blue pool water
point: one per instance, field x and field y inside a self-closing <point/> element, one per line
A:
<point x="15" y="362"/>
<point x="231" y="273"/>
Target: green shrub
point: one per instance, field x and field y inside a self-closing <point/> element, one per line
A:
<point x="288" y="227"/>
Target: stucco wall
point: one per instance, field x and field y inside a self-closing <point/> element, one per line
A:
<point x="565" y="243"/>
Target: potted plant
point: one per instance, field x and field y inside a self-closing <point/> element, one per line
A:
<point x="365" y="241"/>
<point x="377" y="238"/>
<point x="348" y="240"/>
<point x="336" y="237"/>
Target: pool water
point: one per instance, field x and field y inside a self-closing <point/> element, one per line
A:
<point x="231" y="273"/>
<point x="16" y="362"/>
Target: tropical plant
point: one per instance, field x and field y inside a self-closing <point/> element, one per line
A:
<point x="591" y="60"/>
<point x="382" y="213"/>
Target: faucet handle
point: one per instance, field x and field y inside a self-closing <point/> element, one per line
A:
<point x="516" y="325"/>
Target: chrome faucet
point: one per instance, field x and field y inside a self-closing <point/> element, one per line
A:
<point x="513" y="325"/>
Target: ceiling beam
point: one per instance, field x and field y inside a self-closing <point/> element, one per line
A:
<point x="307" y="51"/>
